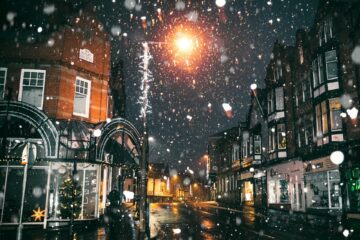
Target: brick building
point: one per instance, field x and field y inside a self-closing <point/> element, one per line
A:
<point x="54" y="86"/>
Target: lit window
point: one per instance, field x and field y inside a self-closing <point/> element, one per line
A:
<point x="324" y="118"/>
<point x="32" y="87"/>
<point x="3" y="72"/>
<point x="331" y="65"/>
<point x="335" y="110"/>
<point x="82" y="97"/>
<point x="281" y="132"/>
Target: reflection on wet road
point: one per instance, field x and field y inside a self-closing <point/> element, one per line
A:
<point x="181" y="221"/>
<point x="207" y="220"/>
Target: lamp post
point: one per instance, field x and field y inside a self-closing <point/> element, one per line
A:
<point x="184" y="45"/>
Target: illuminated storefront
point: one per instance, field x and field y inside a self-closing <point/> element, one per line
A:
<point x="285" y="186"/>
<point x="322" y="185"/>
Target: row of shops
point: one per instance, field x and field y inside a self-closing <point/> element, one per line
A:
<point x="297" y="186"/>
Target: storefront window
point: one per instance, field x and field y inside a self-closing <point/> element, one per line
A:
<point x="278" y="191"/>
<point x="323" y="189"/>
<point x="12" y="195"/>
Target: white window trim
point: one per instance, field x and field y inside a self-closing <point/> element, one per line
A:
<point x="22" y="80"/>
<point x="5" y="77"/>
<point x="87" y="110"/>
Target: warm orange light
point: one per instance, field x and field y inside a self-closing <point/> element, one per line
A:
<point x="185" y="48"/>
<point x="184" y="44"/>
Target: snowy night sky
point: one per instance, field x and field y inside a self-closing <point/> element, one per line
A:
<point x="187" y="103"/>
<point x="233" y="48"/>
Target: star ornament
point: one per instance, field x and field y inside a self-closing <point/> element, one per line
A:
<point x="38" y="214"/>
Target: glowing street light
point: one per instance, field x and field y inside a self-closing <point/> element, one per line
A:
<point x="184" y="44"/>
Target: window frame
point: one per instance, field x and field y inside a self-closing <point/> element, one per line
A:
<point x="4" y="85"/>
<point x="88" y="97"/>
<point x="333" y="127"/>
<point x="21" y="85"/>
<point x="329" y="62"/>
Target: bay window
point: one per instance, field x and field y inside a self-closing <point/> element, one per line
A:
<point x="3" y="72"/>
<point x="32" y="87"/>
<point x="331" y="111"/>
<point x="82" y="97"/>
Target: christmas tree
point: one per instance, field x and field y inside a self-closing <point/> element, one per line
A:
<point x="70" y="194"/>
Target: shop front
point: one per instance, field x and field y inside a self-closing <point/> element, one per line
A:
<point x="53" y="170"/>
<point x="260" y="195"/>
<point x="322" y="185"/>
<point x="285" y="186"/>
<point x="246" y="184"/>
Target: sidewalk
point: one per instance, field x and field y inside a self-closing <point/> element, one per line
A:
<point x="124" y="228"/>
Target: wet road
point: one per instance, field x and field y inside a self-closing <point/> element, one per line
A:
<point x="209" y="221"/>
<point x="200" y="221"/>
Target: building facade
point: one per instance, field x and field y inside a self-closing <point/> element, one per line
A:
<point x="56" y="131"/>
<point x="300" y="150"/>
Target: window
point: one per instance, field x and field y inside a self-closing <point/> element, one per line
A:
<point x="32" y="87"/>
<point x="335" y="110"/>
<point x="272" y="139"/>
<point x="257" y="144"/>
<point x="324" y="118"/>
<point x="244" y="148"/>
<point x="279" y="92"/>
<point x="235" y="155"/>
<point x="331" y="65"/>
<point x="281" y="132"/>
<point x="320" y="69"/>
<point x="315" y="73"/>
<point x="325" y="31"/>
<point x="82" y="97"/>
<point x="301" y="55"/>
<point x="251" y="145"/>
<point x="304" y="91"/>
<point x="277" y="71"/>
<point x="3" y="72"/>
<point x="271" y="101"/>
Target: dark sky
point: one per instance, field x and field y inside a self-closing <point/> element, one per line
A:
<point x="236" y="46"/>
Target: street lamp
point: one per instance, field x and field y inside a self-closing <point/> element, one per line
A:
<point x="184" y="46"/>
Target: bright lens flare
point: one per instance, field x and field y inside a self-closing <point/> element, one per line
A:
<point x="184" y="44"/>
